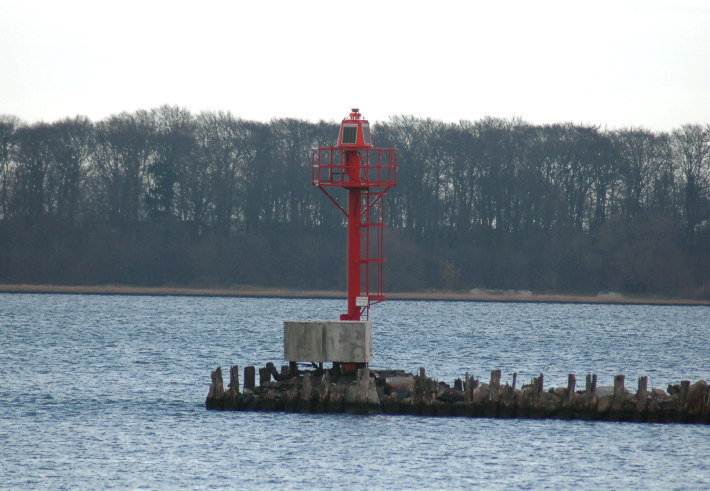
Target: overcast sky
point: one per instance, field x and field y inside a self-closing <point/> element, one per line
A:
<point x="614" y="63"/>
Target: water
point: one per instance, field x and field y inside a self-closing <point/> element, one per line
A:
<point x="108" y="391"/>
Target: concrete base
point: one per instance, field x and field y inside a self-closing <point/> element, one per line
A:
<point x="334" y="341"/>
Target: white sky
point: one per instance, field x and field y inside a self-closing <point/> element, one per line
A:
<point x="615" y="63"/>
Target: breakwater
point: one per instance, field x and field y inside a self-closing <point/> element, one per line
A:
<point x="398" y="392"/>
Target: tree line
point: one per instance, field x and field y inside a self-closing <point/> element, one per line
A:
<point x="167" y="197"/>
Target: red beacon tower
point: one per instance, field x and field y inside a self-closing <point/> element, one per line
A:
<point x="366" y="173"/>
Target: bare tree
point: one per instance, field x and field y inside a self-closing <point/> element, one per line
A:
<point x="120" y="167"/>
<point x="691" y="149"/>
<point x="33" y="156"/>
<point x="72" y="144"/>
<point x="173" y="140"/>
<point x="8" y="126"/>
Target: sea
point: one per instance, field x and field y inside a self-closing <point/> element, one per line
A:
<point x="108" y="391"/>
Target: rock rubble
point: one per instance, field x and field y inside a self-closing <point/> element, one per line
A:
<point x="397" y="392"/>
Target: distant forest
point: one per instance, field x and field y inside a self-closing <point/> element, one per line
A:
<point x="165" y="197"/>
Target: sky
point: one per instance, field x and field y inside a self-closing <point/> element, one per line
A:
<point x="610" y="63"/>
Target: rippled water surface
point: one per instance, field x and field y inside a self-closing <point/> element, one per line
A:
<point x="108" y="391"/>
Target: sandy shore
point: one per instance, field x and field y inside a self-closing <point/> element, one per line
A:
<point x="478" y="295"/>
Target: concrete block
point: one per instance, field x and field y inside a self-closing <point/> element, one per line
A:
<point x="333" y="341"/>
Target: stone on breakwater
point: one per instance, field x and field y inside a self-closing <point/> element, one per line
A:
<point x="399" y="383"/>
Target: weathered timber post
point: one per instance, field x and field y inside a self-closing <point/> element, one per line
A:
<point x="432" y="391"/>
<point x="292" y="399"/>
<point x="618" y="398"/>
<point x="590" y="392"/>
<point x="249" y="378"/>
<point x="683" y="396"/>
<point x="292" y="369"/>
<point x="419" y="388"/>
<point x="515" y="379"/>
<point x="494" y="388"/>
<point x="264" y="376"/>
<point x="304" y="404"/>
<point x="324" y="389"/>
<point x="363" y="385"/>
<point x="540" y="383"/>
<point x="307" y="388"/>
<point x="535" y="394"/>
<point x="234" y="380"/>
<point x="217" y="386"/>
<point x="274" y="373"/>
<point x="569" y="395"/>
<point x="366" y="398"/>
<point x="469" y="387"/>
<point x="535" y="406"/>
<point x="642" y="394"/>
<point x="491" y="409"/>
<point x="508" y="400"/>
<point x="425" y="391"/>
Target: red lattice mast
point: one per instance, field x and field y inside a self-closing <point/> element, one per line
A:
<point x="366" y="173"/>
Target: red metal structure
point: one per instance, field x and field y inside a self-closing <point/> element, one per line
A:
<point x="366" y="173"/>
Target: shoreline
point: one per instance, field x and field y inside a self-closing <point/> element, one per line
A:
<point x="475" y="295"/>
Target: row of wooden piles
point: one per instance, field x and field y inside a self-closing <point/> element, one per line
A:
<point x="397" y="392"/>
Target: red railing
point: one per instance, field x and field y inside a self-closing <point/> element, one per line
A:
<point x="378" y="168"/>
